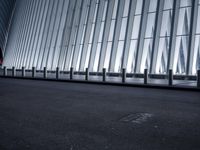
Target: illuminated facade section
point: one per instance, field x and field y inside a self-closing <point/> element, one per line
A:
<point x="134" y="34"/>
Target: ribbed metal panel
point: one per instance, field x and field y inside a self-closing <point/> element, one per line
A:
<point x="6" y="9"/>
<point x="134" y="34"/>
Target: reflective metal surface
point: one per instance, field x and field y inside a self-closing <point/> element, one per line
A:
<point x="114" y="34"/>
<point x="6" y="10"/>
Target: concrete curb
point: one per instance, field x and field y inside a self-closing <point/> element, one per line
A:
<point x="152" y="86"/>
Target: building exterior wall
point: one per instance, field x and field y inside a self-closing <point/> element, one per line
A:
<point x="6" y="9"/>
<point x="113" y="34"/>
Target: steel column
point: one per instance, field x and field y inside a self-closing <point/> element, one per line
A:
<point x="173" y="33"/>
<point x="145" y="9"/>
<point x="129" y="30"/>
<point x="158" y="24"/>
<point x="106" y="34"/>
<point x="96" y="34"/>
<point x="116" y="35"/>
<point x="193" y="26"/>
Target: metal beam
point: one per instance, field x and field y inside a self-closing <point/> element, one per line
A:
<point x="36" y="36"/>
<point x="16" y="25"/>
<point x="27" y="38"/>
<point x="48" y="35"/>
<point x="158" y="24"/>
<point x="106" y="34"/>
<point x="81" y="32"/>
<point x="66" y="33"/>
<point x="22" y="33"/>
<point x="96" y="34"/>
<point x="116" y="35"/>
<point x="55" y="21"/>
<point x="193" y="26"/>
<point x="87" y="35"/>
<point x="58" y="48"/>
<point x="173" y="33"/>
<point x="142" y="32"/>
<point x="129" y="30"/>
<point x="45" y="35"/>
<point x="31" y="35"/>
<point x="73" y="34"/>
<point x="40" y="37"/>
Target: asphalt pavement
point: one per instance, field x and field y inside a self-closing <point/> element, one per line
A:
<point x="45" y="115"/>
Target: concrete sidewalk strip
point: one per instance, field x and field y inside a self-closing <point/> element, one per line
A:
<point x="110" y="80"/>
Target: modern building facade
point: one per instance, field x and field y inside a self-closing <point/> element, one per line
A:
<point x="6" y="10"/>
<point x="134" y="34"/>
